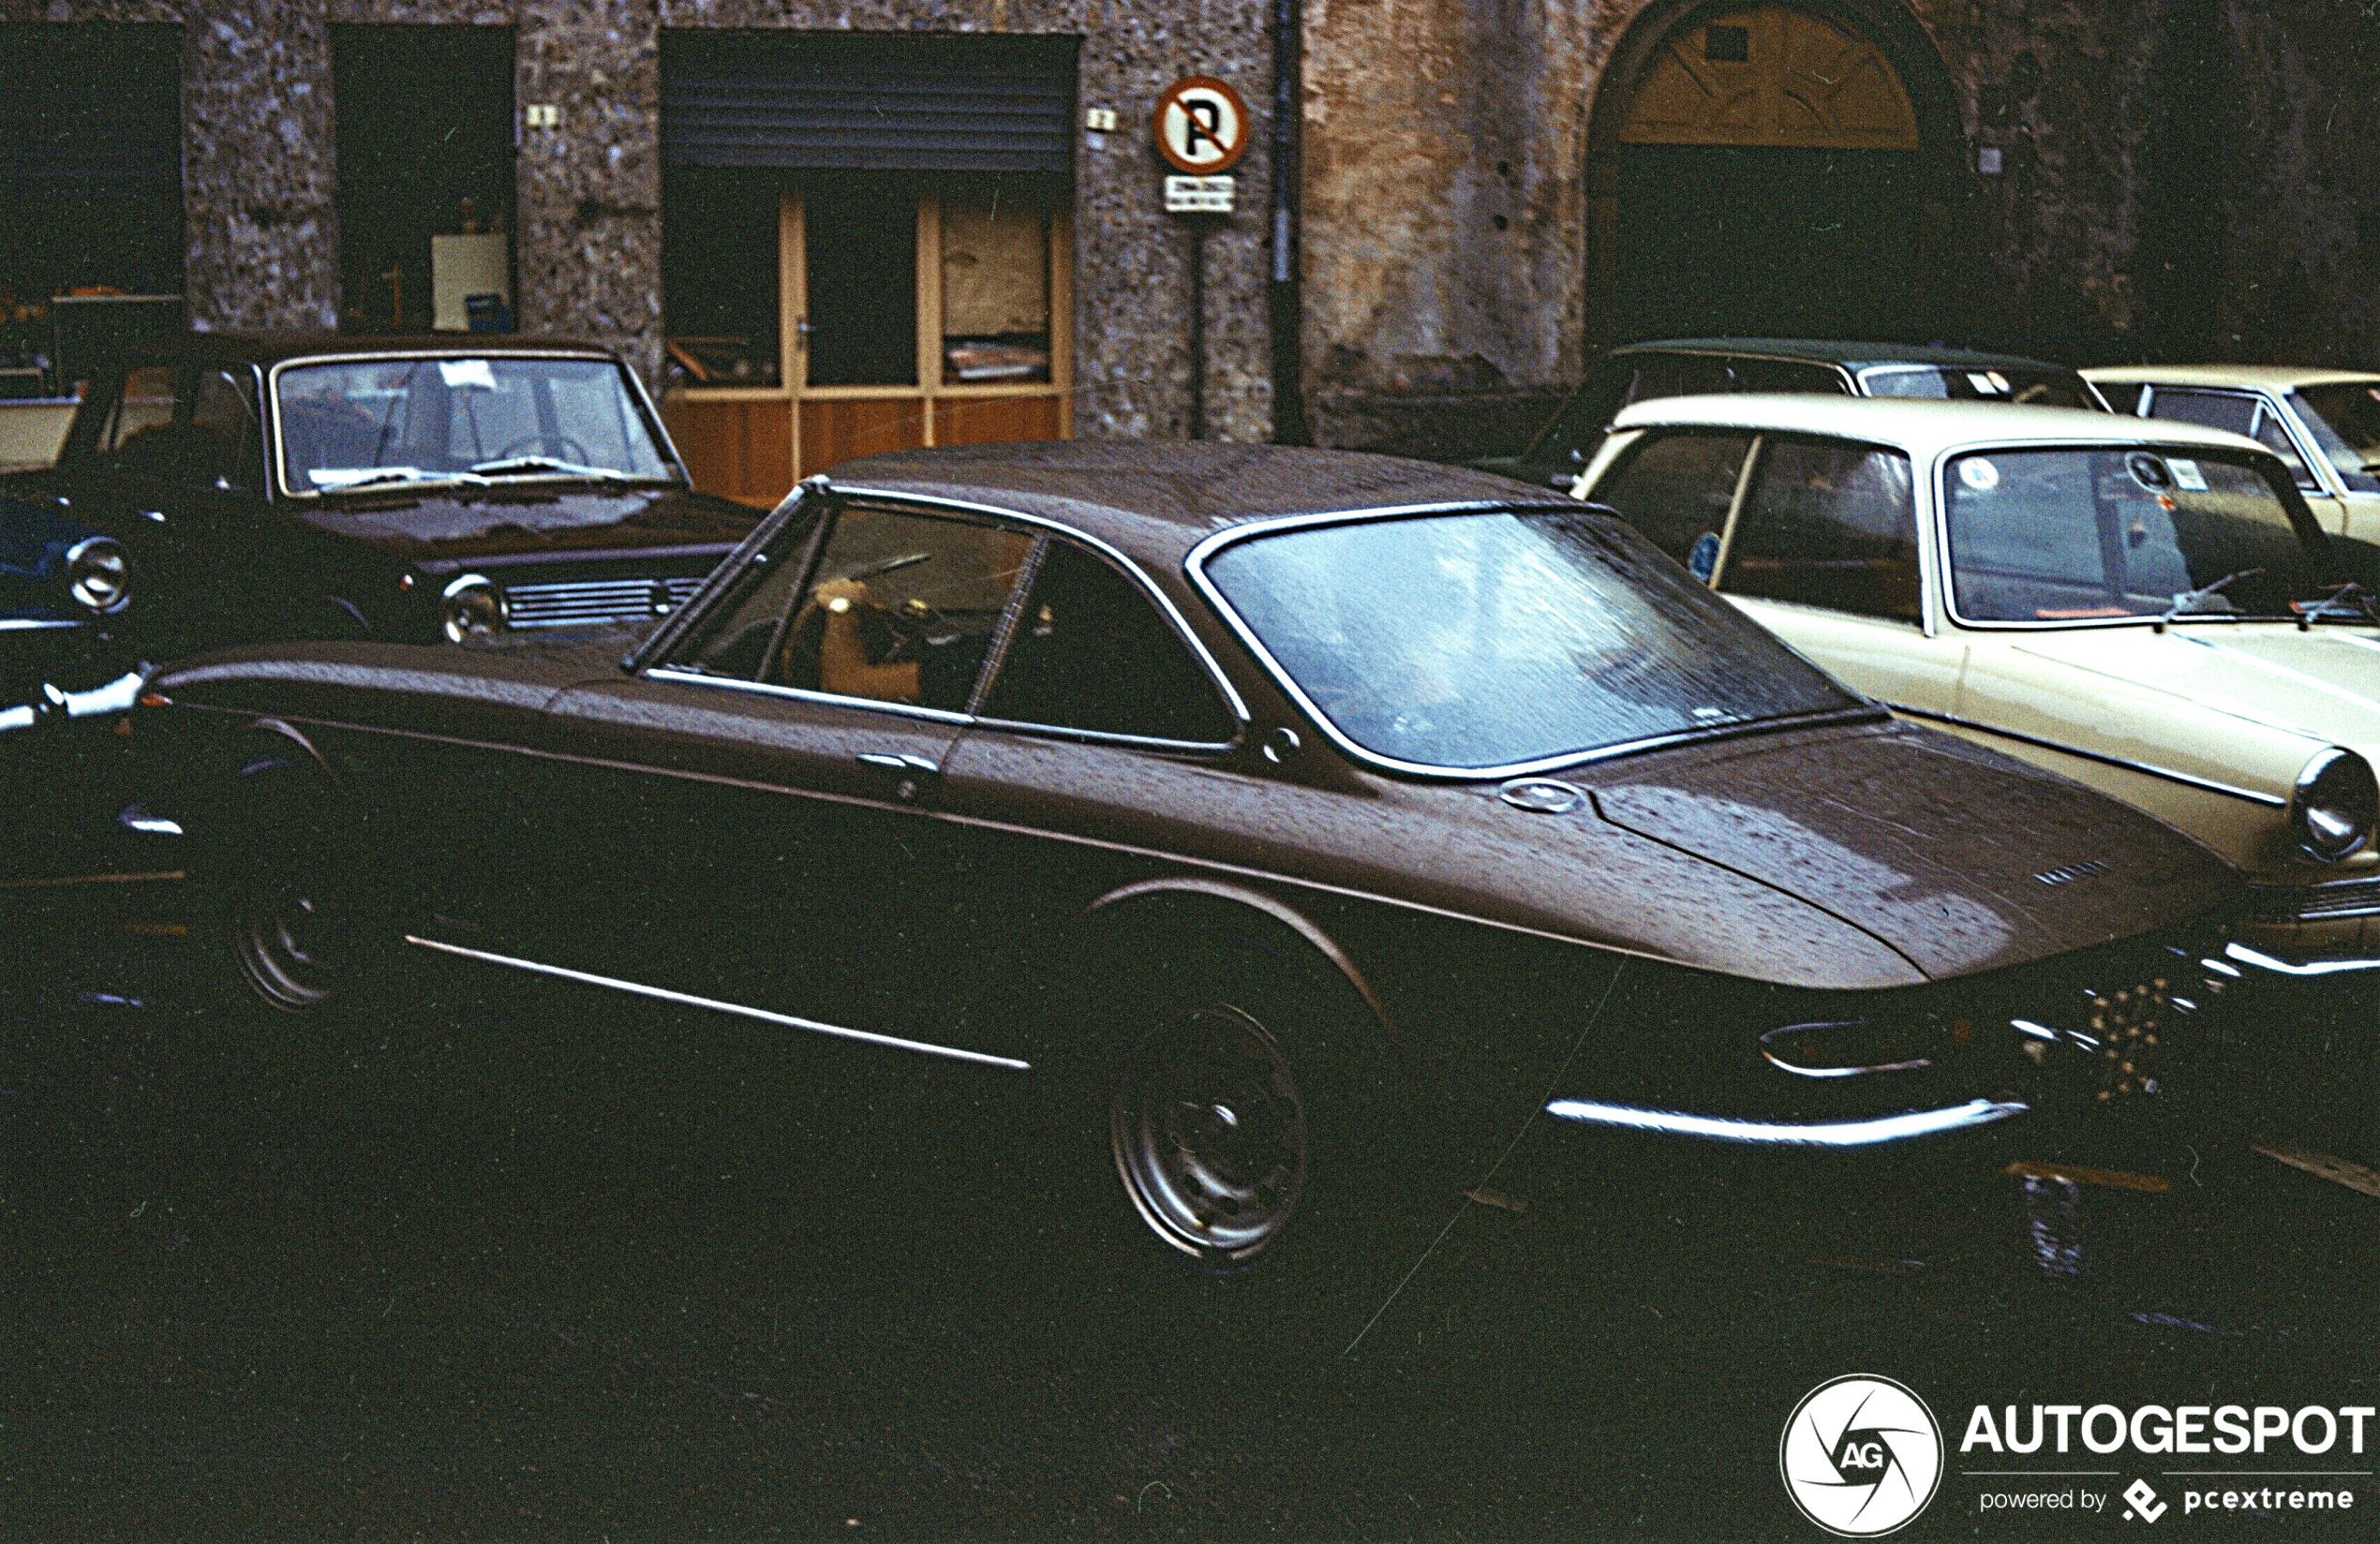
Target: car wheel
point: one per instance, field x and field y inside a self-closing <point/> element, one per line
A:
<point x="289" y="920"/>
<point x="1226" y="1127"/>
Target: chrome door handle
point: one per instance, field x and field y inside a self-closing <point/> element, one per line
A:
<point x="891" y="763"/>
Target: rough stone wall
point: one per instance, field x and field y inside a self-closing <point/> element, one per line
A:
<point x="260" y="172"/>
<point x="1432" y="327"/>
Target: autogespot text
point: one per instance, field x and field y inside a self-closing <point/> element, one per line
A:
<point x="2229" y="1429"/>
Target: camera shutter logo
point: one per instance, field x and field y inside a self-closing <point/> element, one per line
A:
<point x="1861" y="1456"/>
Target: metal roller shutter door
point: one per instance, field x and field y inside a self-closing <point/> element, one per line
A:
<point x="90" y="111"/>
<point x="870" y="103"/>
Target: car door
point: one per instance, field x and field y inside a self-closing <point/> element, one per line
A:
<point x="1823" y="551"/>
<point x="752" y="821"/>
<point x="1100" y="744"/>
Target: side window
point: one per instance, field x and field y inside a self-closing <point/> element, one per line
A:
<point x="228" y="448"/>
<point x="1828" y="523"/>
<point x="2273" y="435"/>
<point x="1677" y="375"/>
<point x="2232" y="410"/>
<point x="900" y="608"/>
<point x="1091" y="652"/>
<point x="1579" y="427"/>
<point x="1678" y="490"/>
<point x="143" y="413"/>
<point x="1778" y="375"/>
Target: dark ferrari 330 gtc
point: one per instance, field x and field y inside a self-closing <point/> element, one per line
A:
<point x="1289" y="816"/>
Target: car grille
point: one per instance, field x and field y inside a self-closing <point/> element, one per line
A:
<point x="588" y="602"/>
<point x="2346" y="899"/>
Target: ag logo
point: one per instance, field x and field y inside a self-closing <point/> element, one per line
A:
<point x="1861" y="1456"/>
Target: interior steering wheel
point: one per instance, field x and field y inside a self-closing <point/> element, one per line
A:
<point x="535" y="445"/>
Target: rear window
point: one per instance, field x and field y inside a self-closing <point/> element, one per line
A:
<point x="1505" y="640"/>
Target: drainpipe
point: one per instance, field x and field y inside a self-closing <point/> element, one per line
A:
<point x="1288" y="112"/>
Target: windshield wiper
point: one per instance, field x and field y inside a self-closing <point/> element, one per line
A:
<point x="515" y="465"/>
<point x="2191" y="600"/>
<point x="2308" y="612"/>
<point x="386" y="475"/>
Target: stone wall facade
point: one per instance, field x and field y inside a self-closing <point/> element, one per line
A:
<point x="2179" y="178"/>
<point x="261" y="173"/>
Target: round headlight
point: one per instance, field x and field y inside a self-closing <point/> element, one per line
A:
<point x="2336" y="803"/>
<point x="97" y="575"/>
<point x="474" y="607"/>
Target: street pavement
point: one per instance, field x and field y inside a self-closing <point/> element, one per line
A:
<point x="505" y="1266"/>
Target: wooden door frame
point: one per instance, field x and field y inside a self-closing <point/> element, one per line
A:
<point x="1889" y="24"/>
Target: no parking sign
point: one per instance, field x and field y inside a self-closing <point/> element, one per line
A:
<point x="1201" y="125"/>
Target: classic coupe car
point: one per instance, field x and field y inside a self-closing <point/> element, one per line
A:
<point x="225" y="488"/>
<point x="2324" y="423"/>
<point x="1278" y="816"/>
<point x="1637" y="371"/>
<point x="2148" y="608"/>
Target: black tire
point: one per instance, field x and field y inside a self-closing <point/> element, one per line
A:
<point x="1224" y="1126"/>
<point x="292" y="930"/>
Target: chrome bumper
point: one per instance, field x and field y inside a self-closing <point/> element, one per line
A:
<point x="54" y="703"/>
<point x="2293" y="963"/>
<point x="1908" y="1125"/>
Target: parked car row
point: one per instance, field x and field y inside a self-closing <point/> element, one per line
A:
<point x="1261" y="840"/>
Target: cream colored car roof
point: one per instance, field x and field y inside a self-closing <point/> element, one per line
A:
<point x="2270" y="378"/>
<point x="1922" y="428"/>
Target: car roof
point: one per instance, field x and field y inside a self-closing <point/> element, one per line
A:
<point x="1856" y="355"/>
<point x="2266" y="377"/>
<point x="1157" y="499"/>
<point x="277" y="348"/>
<point x="1920" y="426"/>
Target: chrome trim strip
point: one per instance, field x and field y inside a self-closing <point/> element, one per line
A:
<point x="1195" y="565"/>
<point x="765" y="689"/>
<point x="1828" y="1134"/>
<point x="2331" y="901"/>
<point x="2263" y="961"/>
<point x="683" y="999"/>
<point x="2208" y="783"/>
<point x="37" y="624"/>
<point x="1131" y="570"/>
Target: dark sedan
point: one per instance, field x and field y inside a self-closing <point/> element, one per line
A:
<point x="1639" y="372"/>
<point x="224" y="489"/>
<point x="1305" y="825"/>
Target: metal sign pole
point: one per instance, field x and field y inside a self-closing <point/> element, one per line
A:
<point x="1197" y="327"/>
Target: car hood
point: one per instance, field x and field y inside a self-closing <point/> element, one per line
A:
<point x="1957" y="858"/>
<point x="2323" y="683"/>
<point x="469" y="525"/>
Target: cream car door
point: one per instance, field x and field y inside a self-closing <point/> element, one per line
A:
<point x="1824" y="552"/>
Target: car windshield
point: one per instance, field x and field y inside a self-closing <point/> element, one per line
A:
<point x="2087" y="533"/>
<point x="2345" y="421"/>
<point x="1506" y="639"/>
<point x="2042" y="387"/>
<point x="373" y="423"/>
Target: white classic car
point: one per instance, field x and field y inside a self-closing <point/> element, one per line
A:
<point x="2325" y="423"/>
<point x="2147" y="607"/>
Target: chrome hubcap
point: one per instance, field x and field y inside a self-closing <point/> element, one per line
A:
<point x="281" y="941"/>
<point x="1210" y="1135"/>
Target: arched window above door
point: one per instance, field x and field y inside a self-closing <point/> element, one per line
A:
<point x="1770" y="75"/>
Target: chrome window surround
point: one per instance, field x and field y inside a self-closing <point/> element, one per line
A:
<point x="279" y="467"/>
<point x="687" y="615"/>
<point x="1195" y="565"/>
<point x="2091" y="388"/>
<point x="1937" y="488"/>
<point x="2317" y="466"/>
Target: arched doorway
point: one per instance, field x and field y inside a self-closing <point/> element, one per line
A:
<point x="1765" y="171"/>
